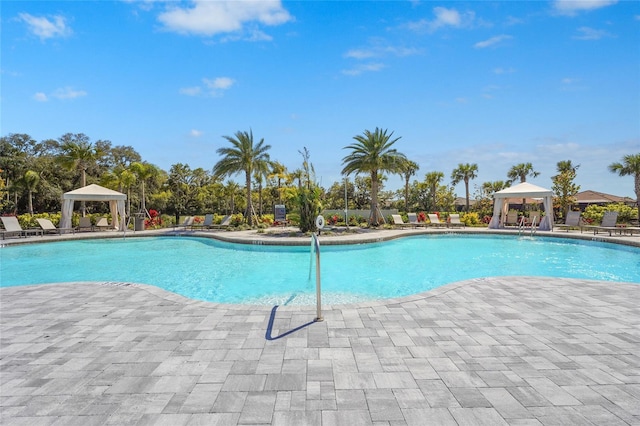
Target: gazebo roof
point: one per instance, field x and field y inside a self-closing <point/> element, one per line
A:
<point x="523" y="190"/>
<point x="94" y="192"/>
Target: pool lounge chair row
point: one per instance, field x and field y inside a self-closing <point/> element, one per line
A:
<point x="190" y="223"/>
<point x="608" y="224"/>
<point x="434" y="221"/>
<point x="12" y="228"/>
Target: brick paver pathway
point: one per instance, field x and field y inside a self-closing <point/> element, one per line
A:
<point x="519" y="351"/>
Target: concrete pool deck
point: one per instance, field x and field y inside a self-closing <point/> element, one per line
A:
<point x="508" y="350"/>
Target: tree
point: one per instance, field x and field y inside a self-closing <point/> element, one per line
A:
<point x="408" y="169"/>
<point x="31" y="180"/>
<point x="464" y="172"/>
<point x="521" y="171"/>
<point x="77" y="153"/>
<point x="564" y="186"/>
<point x="278" y="172"/>
<point x="373" y="153"/>
<point x="308" y="195"/>
<point x="144" y="172"/>
<point x="433" y="181"/>
<point x="243" y="156"/>
<point x="630" y="166"/>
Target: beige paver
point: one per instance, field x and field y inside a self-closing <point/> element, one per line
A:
<point x="508" y="350"/>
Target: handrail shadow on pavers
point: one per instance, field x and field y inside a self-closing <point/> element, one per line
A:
<point x="272" y="318"/>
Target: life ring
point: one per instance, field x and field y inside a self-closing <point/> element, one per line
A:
<point x="320" y="221"/>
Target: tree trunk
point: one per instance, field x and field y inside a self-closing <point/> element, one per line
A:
<point x="248" y="215"/>
<point x="83" y="205"/>
<point x="637" y="184"/>
<point x="30" y="202"/>
<point x="375" y="217"/>
<point x="466" y="187"/>
<point x="406" y="194"/>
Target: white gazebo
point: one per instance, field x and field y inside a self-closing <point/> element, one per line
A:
<point x="522" y="190"/>
<point x="95" y="193"/>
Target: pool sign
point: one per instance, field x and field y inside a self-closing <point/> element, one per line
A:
<point x="280" y="213"/>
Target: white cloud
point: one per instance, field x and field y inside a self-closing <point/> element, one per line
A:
<point x="208" y="18"/>
<point x="68" y="93"/>
<point x="379" y="50"/>
<point x="443" y="18"/>
<point x="213" y="87"/>
<point x="362" y="68"/>
<point x="572" y="7"/>
<point x="40" y="97"/>
<point x="195" y="133"/>
<point x="492" y="41"/>
<point x="586" y="33"/>
<point x="46" y="28"/>
<point x="191" y="91"/>
<point x="61" y="94"/>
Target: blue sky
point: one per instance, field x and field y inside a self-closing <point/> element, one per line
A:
<point x="492" y="83"/>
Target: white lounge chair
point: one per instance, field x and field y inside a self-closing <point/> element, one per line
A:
<point x="608" y="223"/>
<point x="225" y="223"/>
<point x="188" y="221"/>
<point x="397" y="220"/>
<point x="49" y="228"/>
<point x="413" y="220"/>
<point x="85" y="224"/>
<point x="103" y="224"/>
<point x="512" y="218"/>
<point x="12" y="227"/>
<point x="433" y="218"/>
<point x="208" y="221"/>
<point x="454" y="221"/>
<point x="571" y="221"/>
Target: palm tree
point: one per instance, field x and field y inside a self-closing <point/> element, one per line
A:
<point x="373" y="153"/>
<point x="563" y="185"/>
<point x="144" y="172"/>
<point x="521" y="171"/>
<point x="77" y="153"/>
<point x="408" y="169"/>
<point x="630" y="166"/>
<point x="566" y="166"/>
<point x="464" y="172"/>
<point x="243" y="156"/>
<point x="433" y="181"/>
<point x="31" y="180"/>
<point x="278" y="172"/>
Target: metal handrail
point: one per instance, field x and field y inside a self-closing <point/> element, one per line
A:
<point x="315" y="242"/>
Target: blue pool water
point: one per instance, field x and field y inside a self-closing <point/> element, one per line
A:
<point x="207" y="269"/>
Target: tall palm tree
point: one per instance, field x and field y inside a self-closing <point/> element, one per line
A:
<point x="464" y="172"/>
<point x="373" y="153"/>
<point x="77" y="153"/>
<point x="630" y="166"/>
<point x="408" y="169"/>
<point x="144" y="171"/>
<point x="433" y="180"/>
<point x="31" y="180"/>
<point x="243" y="156"/>
<point x="566" y="166"/>
<point x="278" y="172"/>
<point x="521" y="171"/>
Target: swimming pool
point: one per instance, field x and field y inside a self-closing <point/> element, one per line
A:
<point x="211" y="270"/>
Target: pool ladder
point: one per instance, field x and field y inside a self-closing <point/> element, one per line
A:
<point x="522" y="225"/>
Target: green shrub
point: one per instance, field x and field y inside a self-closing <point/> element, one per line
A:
<point x="470" y="218"/>
<point x="594" y="213"/>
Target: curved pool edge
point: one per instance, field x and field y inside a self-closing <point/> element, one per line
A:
<point x="376" y="303"/>
<point x="252" y="237"/>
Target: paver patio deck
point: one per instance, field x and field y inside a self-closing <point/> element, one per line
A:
<point x="508" y="350"/>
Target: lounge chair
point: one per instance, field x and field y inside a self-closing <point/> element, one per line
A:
<point x="572" y="221"/>
<point x="188" y="221"/>
<point x="512" y="218"/>
<point x="435" y="221"/>
<point x="225" y="223"/>
<point x="413" y="220"/>
<point x="103" y="224"/>
<point x="12" y="227"/>
<point x="454" y="221"/>
<point x="397" y="220"/>
<point x="49" y="228"/>
<point x="206" y="224"/>
<point x="608" y="223"/>
<point x="85" y="224"/>
<point x="534" y="215"/>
